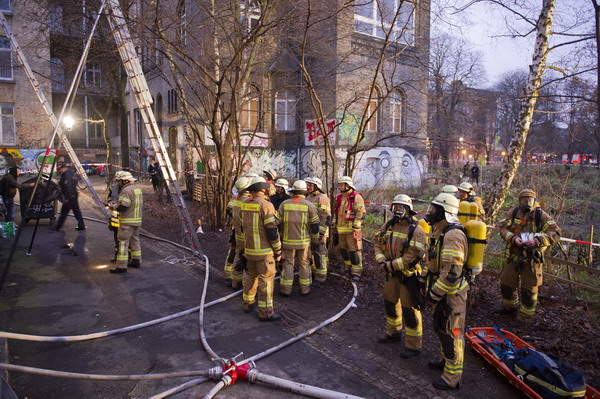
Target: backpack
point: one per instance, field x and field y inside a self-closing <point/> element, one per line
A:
<point x="2" y="185"/>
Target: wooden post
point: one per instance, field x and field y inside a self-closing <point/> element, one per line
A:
<point x="591" y="249"/>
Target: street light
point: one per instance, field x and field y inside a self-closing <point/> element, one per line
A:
<point x="503" y="153"/>
<point x="68" y="122"/>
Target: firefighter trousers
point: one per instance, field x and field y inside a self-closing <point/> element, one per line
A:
<point x="229" y="262"/>
<point x="129" y="238"/>
<point x="399" y="311"/>
<point x="350" y="249"/>
<point x="258" y="285"/>
<point x="237" y="277"/>
<point x="449" y="323"/>
<point x="530" y="277"/>
<point x="287" y="272"/>
<point x="320" y="270"/>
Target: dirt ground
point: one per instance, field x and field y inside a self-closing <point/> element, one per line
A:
<point x="565" y="326"/>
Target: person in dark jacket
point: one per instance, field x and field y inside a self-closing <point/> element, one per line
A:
<point x="68" y="187"/>
<point x="281" y="186"/>
<point x="157" y="178"/>
<point x="9" y="187"/>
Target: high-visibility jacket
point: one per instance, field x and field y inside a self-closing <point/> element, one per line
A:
<point x="321" y="202"/>
<point x="236" y="210"/>
<point x="132" y="198"/>
<point x="546" y="228"/>
<point x="389" y="245"/>
<point x="349" y="211"/>
<point x="299" y="222"/>
<point x="446" y="261"/>
<point x="259" y="223"/>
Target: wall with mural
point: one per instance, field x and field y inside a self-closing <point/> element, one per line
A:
<point x="28" y="160"/>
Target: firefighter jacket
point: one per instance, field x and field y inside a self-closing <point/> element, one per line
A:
<point x="349" y="211"/>
<point x="517" y="222"/>
<point x="321" y="202"/>
<point x="447" y="256"/>
<point x="236" y="210"/>
<point x="299" y="222"/>
<point x="259" y="224"/>
<point x="390" y="245"/>
<point x="131" y="199"/>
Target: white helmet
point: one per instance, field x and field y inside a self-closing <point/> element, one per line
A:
<point x="450" y="189"/>
<point x="270" y="174"/>
<point x="282" y="183"/>
<point x="403" y="199"/>
<point x="348" y="181"/>
<point x="126" y="176"/>
<point x="241" y="184"/>
<point x="316" y="181"/>
<point x="466" y="187"/>
<point x="258" y="184"/>
<point x="299" y="187"/>
<point x="447" y="201"/>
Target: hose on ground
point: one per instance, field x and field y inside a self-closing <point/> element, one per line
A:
<point x="180" y="388"/>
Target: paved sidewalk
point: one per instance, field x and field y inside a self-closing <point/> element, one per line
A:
<point x="64" y="288"/>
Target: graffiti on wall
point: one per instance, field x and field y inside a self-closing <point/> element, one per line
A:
<point x="26" y="159"/>
<point x="389" y="166"/>
<point x="314" y="136"/>
<point x="261" y="159"/>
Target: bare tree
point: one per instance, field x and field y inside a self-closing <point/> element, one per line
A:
<point x="502" y="184"/>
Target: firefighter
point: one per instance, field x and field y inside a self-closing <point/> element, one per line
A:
<point x="129" y="205"/>
<point x="299" y="230"/>
<point x="281" y="187"/>
<point x="233" y="278"/>
<point x="113" y="222"/>
<point x="348" y="213"/>
<point x="450" y="189"/>
<point x="447" y="288"/>
<point x="399" y="248"/>
<point x="320" y="257"/>
<point x="528" y="232"/>
<point x="262" y="249"/>
<point x="270" y="176"/>
<point x="467" y="193"/>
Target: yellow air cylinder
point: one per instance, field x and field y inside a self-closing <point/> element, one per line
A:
<point x="474" y="212"/>
<point x="425" y="226"/>
<point x="478" y="200"/>
<point x="464" y="208"/>
<point x="476" y="231"/>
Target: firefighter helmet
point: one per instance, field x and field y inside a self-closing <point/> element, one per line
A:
<point x="466" y="187"/>
<point x="241" y="185"/>
<point x="282" y="183"/>
<point x="527" y="193"/>
<point x="270" y="174"/>
<point x="251" y="175"/>
<point x="127" y="176"/>
<point x="299" y="187"/>
<point x="258" y="184"/>
<point x="316" y="181"/>
<point x="450" y="189"/>
<point x="118" y="174"/>
<point x="403" y="199"/>
<point x="447" y="201"/>
<point x="348" y="181"/>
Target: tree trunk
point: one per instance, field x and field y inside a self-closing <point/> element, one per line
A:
<point x="500" y="188"/>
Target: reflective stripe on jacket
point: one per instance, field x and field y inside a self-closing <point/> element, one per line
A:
<point x="349" y="212"/>
<point x="256" y="216"/>
<point x="131" y="197"/>
<point x="446" y="261"/>
<point x="296" y="215"/>
<point x="236" y="209"/>
<point x="321" y="202"/>
<point x="389" y="246"/>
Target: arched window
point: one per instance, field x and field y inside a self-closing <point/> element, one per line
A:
<point x="57" y="75"/>
<point x="250" y="116"/>
<point x="397" y="104"/>
<point x="285" y="111"/>
<point x="373" y="112"/>
<point x="56" y="19"/>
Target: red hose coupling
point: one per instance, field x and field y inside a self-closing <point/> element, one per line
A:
<point x="244" y="369"/>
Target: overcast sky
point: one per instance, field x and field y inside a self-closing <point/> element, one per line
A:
<point x="485" y="27"/>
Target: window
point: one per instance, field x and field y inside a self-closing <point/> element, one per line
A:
<point x="138" y="125"/>
<point x="249" y="14"/>
<point x="375" y="17"/>
<point x="57" y="74"/>
<point x="396" y="112"/>
<point x="6" y="68"/>
<point x="172" y="102"/>
<point x="92" y="74"/>
<point x="182" y="29"/>
<point x="372" y="112"/>
<point x="94" y="129"/>
<point x="5" y="5"/>
<point x="56" y="18"/>
<point x="249" y="118"/>
<point x="7" y="125"/>
<point x="285" y="111"/>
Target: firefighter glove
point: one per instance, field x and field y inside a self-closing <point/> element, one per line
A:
<point x="336" y="239"/>
<point x="357" y="234"/>
<point x="314" y="246"/>
<point x="386" y="266"/>
<point x="277" y="256"/>
<point x="241" y="264"/>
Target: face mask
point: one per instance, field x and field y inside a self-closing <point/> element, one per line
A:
<point x="526" y="204"/>
<point x="399" y="211"/>
<point x="434" y="214"/>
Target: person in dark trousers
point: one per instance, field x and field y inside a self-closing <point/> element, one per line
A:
<point x="68" y="187"/>
<point x="475" y="173"/>
<point x="9" y="187"/>
<point x="157" y="179"/>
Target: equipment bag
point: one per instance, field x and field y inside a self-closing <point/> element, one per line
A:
<point x="547" y="376"/>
